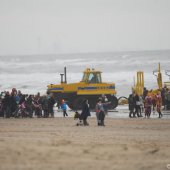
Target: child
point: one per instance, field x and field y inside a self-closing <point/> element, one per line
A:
<point x="64" y="108"/>
<point x="77" y="115"/>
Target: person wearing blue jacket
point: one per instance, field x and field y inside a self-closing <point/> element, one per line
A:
<point x="64" y="108"/>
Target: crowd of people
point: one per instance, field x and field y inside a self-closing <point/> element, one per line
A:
<point x="16" y="104"/>
<point x="149" y="102"/>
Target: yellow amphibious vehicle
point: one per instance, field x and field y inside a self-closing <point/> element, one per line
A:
<point x="90" y="87"/>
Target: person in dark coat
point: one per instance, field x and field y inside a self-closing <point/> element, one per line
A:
<point x="2" y="109"/>
<point x="13" y="104"/>
<point x="163" y="94"/>
<point x="131" y="102"/>
<point x="85" y="112"/>
<point x="7" y="105"/>
<point x="145" y="92"/>
<point x="51" y="102"/>
<point x="45" y="106"/>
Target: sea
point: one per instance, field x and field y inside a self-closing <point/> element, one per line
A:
<point x="32" y="73"/>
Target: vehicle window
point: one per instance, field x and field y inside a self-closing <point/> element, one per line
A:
<point x="94" y="78"/>
<point x="99" y="78"/>
<point x="84" y="77"/>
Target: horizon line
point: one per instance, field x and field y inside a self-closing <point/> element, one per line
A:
<point x="91" y="52"/>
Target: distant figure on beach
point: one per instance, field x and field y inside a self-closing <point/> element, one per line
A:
<point x="105" y="100"/>
<point x="137" y="105"/>
<point x="159" y="104"/>
<point x="51" y="102"/>
<point x="13" y="103"/>
<point x="167" y="99"/>
<point x="6" y="104"/>
<point x="148" y="105"/>
<point x="45" y="106"/>
<point x="154" y="103"/>
<point x="145" y="91"/>
<point x="37" y="103"/>
<point x="64" y="108"/>
<point x="163" y="94"/>
<point x="1" y="105"/>
<point x="141" y="105"/>
<point x="85" y="112"/>
<point x="131" y="102"/>
<point x="29" y="105"/>
<point x="100" y="112"/>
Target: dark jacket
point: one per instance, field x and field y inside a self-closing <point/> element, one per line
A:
<point x="7" y="101"/>
<point x="131" y="101"/>
<point x="45" y="104"/>
<point x="137" y="101"/>
<point x="51" y="102"/>
<point x="85" y="111"/>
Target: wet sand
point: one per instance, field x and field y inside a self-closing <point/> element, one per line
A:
<point x="58" y="144"/>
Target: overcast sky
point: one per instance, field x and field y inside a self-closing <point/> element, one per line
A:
<point x="71" y="26"/>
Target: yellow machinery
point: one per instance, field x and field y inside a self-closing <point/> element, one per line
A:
<point x="158" y="74"/>
<point x="139" y="86"/>
<point x="90" y="87"/>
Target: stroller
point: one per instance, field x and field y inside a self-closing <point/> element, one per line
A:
<point x="78" y="116"/>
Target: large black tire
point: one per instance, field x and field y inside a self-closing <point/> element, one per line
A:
<point x="113" y="100"/>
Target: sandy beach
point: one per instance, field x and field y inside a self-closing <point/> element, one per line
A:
<point x="58" y="143"/>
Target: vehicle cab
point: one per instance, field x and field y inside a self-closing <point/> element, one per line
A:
<point x="92" y="76"/>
